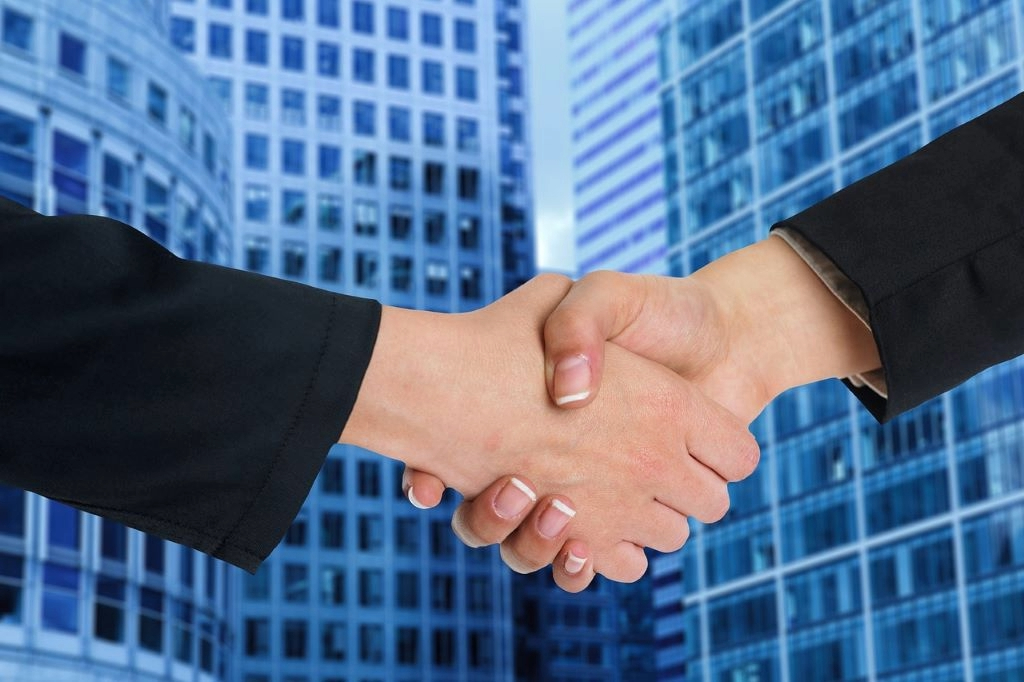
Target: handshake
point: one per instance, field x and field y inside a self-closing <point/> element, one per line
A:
<point x="585" y="421"/>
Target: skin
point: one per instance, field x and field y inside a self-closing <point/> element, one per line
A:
<point x="471" y="402"/>
<point x="744" y="329"/>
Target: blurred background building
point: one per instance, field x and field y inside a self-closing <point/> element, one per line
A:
<point x="99" y="115"/>
<point x="856" y="552"/>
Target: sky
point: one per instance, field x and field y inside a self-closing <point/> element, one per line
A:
<point x="552" y="137"/>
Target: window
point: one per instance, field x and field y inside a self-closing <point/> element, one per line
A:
<point x="118" y="79"/>
<point x="328" y="13"/>
<point x="17" y="30"/>
<point x="257" y="101"/>
<point x="398" y="23"/>
<point x="371" y="532"/>
<point x="408" y="588"/>
<point x="222" y="88"/>
<point x="430" y="29"/>
<point x="332" y="476"/>
<point x="113" y="540"/>
<point x="468" y="135"/>
<point x="469" y="282"/>
<point x="187" y="128"/>
<point x="183" y="34"/>
<point x="118" y="188"/>
<point x="156" y="104"/>
<point x="478" y="594"/>
<point x="333" y="641"/>
<point x="363" y="66"/>
<point x="296" y="583"/>
<point x="401" y="223"/>
<point x="434" y="227"/>
<point x="154" y="554"/>
<point x="219" y="38"/>
<point x="186" y="566"/>
<point x="433" y="77"/>
<point x="257" y="586"/>
<point x="330" y="264"/>
<point x="293" y="157"/>
<point x="399" y="124"/>
<point x="433" y="130"/>
<point x="465" y="35"/>
<point x="469" y="232"/>
<point x="72" y="54"/>
<point x="60" y="597"/>
<point x="366" y="269"/>
<point x="332" y="530"/>
<point x="292" y="57"/>
<point x="293" y="208"/>
<point x="330" y="163"/>
<point x="444" y="647"/>
<point x="292" y="10"/>
<point x="293" y="107"/>
<point x="328" y="112"/>
<point x="442" y="592"/>
<point x="151" y="619"/>
<point x="70" y="173"/>
<point x="329" y="213"/>
<point x="294" y="638"/>
<point x="12" y="500"/>
<point x="257" y="637"/>
<point x="401" y="173"/>
<point x="362" y="17"/>
<point x="469" y="184"/>
<point x="222" y="4"/>
<point x="364" y="167"/>
<point x="332" y="585"/>
<point x="256" y="7"/>
<point x="398" y="72"/>
<point x="365" y="114"/>
<point x="437" y="278"/>
<point x="257" y="47"/>
<point x="294" y="258"/>
<point x="108" y="621"/>
<point x="257" y="254"/>
<point x="63" y="526"/>
<point x="407" y="644"/>
<point x="401" y="280"/>
<point x="465" y="83"/>
<point x="296" y="535"/>
<point x="365" y="218"/>
<point x="328" y="60"/>
<point x="371" y="643"/>
<point x="433" y="178"/>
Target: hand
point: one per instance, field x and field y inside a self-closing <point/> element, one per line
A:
<point x="468" y="400"/>
<point x="744" y="329"/>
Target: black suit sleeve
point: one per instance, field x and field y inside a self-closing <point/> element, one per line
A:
<point x="935" y="242"/>
<point x="187" y="400"/>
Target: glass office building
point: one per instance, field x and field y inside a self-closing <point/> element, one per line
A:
<point x="380" y="150"/>
<point x="97" y="116"/>
<point x="617" y="152"/>
<point x="856" y="552"/>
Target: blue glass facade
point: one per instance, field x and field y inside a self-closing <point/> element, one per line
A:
<point x="857" y="551"/>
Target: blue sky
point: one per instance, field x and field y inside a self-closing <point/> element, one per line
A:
<point x="552" y="137"/>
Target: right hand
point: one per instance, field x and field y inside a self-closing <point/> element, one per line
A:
<point x="463" y="396"/>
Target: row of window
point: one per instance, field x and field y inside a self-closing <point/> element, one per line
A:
<point x="220" y="35"/>
<point x="333" y="643"/>
<point x="72" y="58"/>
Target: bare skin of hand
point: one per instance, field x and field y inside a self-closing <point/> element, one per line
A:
<point x="744" y="329"/>
<point x="464" y="395"/>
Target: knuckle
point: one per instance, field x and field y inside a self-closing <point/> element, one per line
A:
<point x="552" y="279"/>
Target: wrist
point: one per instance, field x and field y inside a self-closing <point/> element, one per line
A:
<point x="783" y="318"/>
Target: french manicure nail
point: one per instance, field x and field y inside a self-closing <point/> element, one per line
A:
<point x="412" y="500"/>
<point x="555" y="518"/>
<point x="513" y="499"/>
<point x="572" y="380"/>
<point x="574" y="564"/>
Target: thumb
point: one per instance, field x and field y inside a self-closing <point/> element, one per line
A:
<point x="596" y="309"/>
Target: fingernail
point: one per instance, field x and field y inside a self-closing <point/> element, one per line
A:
<point x="572" y="380"/>
<point x="574" y="564"/>
<point x="513" y="499"/>
<point x="555" y="518"/>
<point x="412" y="500"/>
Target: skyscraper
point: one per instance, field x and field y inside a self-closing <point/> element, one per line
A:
<point x="617" y="151"/>
<point x="856" y="552"/>
<point x="379" y="149"/>
<point x="99" y="114"/>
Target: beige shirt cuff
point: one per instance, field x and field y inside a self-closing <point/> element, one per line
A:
<point x="843" y="289"/>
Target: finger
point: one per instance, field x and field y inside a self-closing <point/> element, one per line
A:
<point x="421" y="489"/>
<point x="540" y="538"/>
<point x="573" y="568"/>
<point x="720" y="441"/>
<point x="665" y="530"/>
<point x="597" y="308"/>
<point x="624" y="562"/>
<point x="495" y="513"/>
<point x="695" y="491"/>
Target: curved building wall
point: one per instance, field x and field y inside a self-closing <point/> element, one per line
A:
<point x="98" y="114"/>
